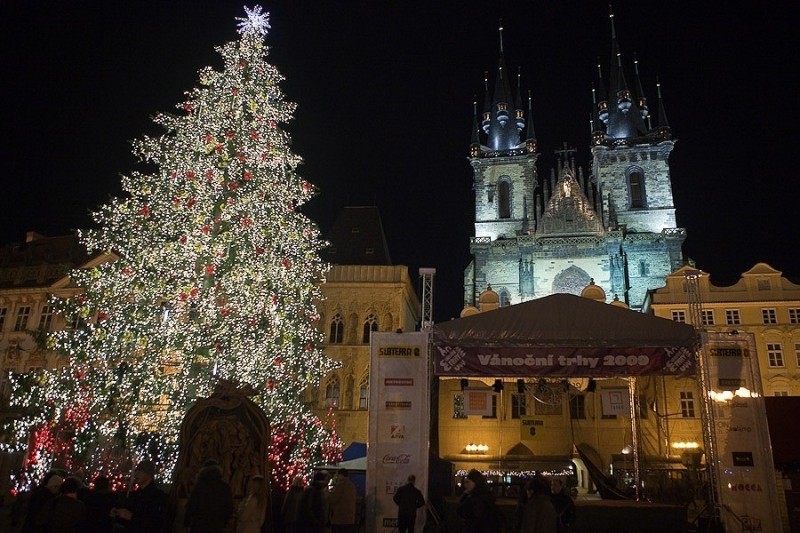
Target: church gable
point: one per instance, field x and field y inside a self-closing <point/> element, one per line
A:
<point x="569" y="211"/>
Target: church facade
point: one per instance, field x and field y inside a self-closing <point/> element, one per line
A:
<point x="536" y="235"/>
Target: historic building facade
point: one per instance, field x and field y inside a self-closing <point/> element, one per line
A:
<point x="762" y="302"/>
<point x="535" y="237"/>
<point x="363" y="292"/>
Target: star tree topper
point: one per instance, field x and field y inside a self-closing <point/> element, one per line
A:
<point x="256" y="21"/>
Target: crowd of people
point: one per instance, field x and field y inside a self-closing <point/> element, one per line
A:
<point x="542" y="507"/>
<point x="63" y="504"/>
<point x="316" y="509"/>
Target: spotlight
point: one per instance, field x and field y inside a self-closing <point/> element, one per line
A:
<point x="521" y="386"/>
<point x="464" y="384"/>
<point x="498" y="385"/>
<point x="592" y="386"/>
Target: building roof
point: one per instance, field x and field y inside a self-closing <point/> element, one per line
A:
<point x="40" y="260"/>
<point x="357" y="238"/>
<point x="565" y="320"/>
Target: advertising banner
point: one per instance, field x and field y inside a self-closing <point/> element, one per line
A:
<point x="615" y="401"/>
<point x="453" y="360"/>
<point x="531" y="428"/>
<point x="399" y="423"/>
<point x="744" y="468"/>
<point x="478" y="402"/>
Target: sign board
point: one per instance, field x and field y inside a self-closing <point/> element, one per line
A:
<point x="399" y="423"/>
<point x="744" y="469"/>
<point x="615" y="401"/>
<point x="505" y="361"/>
<point x="531" y="428"/>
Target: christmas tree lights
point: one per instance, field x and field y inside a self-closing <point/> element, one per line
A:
<point x="216" y="275"/>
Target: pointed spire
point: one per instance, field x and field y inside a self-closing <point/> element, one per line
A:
<point x="500" y="31"/>
<point x="525" y="221"/>
<point x="642" y="99"/>
<point x="530" y="137"/>
<point x="475" y="142"/>
<point x="663" y="124"/>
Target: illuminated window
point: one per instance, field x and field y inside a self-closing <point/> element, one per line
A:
<point x="775" y="354"/>
<point x="337" y="330"/>
<point x="679" y="316"/>
<point x="459" y="410"/>
<point x="636" y="189"/>
<point x="332" y="392"/>
<point x="732" y="317"/>
<point x="519" y="406"/>
<point x="504" y="199"/>
<point x="23" y="313"/>
<point x="370" y="325"/>
<point x="768" y="316"/>
<point x="363" y="393"/>
<point x="707" y="316"/>
<point x="687" y="404"/>
<point x="794" y="315"/>
<point x="46" y="318"/>
<point x="577" y="407"/>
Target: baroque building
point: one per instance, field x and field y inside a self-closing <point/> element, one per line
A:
<point x="537" y="236"/>
<point x="762" y="302"/>
<point x="363" y="292"/>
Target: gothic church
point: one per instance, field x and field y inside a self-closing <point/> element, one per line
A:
<point x="616" y="226"/>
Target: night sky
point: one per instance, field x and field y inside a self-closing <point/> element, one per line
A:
<point x="384" y="92"/>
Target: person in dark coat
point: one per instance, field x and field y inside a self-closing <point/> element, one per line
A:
<point x="539" y="515"/>
<point x="66" y="513"/>
<point x="46" y="491"/>
<point x="565" y="507"/>
<point x="99" y="502"/>
<point x="145" y="509"/>
<point x="291" y="505"/>
<point x="313" y="512"/>
<point x="477" y="508"/>
<point x="210" y="504"/>
<point x="408" y="499"/>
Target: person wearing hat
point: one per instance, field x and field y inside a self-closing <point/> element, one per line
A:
<point x="46" y="491"/>
<point x="66" y="513"/>
<point x="145" y="508"/>
<point x="408" y="499"/>
<point x="313" y="512"/>
<point x="477" y="508"/>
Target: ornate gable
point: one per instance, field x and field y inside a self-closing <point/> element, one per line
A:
<point x="569" y="211"/>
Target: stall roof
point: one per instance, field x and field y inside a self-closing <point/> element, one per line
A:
<point x="564" y="320"/>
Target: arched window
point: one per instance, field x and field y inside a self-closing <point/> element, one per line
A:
<point x="370" y="324"/>
<point x="644" y="268"/>
<point x="363" y="393"/>
<point x="504" y="199"/>
<point x="636" y="188"/>
<point x="332" y="392"/>
<point x="505" y="298"/>
<point x="337" y="330"/>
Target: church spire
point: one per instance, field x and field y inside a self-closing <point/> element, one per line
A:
<point x="475" y="142"/>
<point x="663" y="124"/>
<point x="622" y="115"/>
<point x="641" y="98"/>
<point x="503" y="118"/>
<point x="530" y="137"/>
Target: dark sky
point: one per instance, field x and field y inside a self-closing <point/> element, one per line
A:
<point x="385" y="91"/>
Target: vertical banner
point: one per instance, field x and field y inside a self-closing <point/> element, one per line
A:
<point x="744" y="467"/>
<point x="399" y="423"/>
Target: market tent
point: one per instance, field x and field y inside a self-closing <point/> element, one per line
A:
<point x="563" y="335"/>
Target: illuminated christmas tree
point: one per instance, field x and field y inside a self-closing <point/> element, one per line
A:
<point x="216" y="277"/>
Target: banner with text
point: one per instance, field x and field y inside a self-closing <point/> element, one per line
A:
<point x="399" y="423"/>
<point x="744" y="469"/>
<point x="453" y="360"/>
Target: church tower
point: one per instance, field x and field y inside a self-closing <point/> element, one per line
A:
<point x="630" y="164"/>
<point x="615" y="227"/>
<point x="504" y="177"/>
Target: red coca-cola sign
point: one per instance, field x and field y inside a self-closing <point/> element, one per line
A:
<point x="398" y="459"/>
